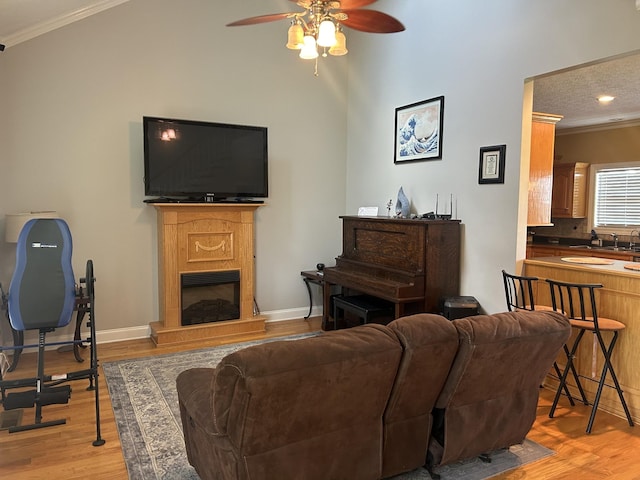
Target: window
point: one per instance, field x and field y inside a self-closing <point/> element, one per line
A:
<point x="616" y="196"/>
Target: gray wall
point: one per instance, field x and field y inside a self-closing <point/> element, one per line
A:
<point x="478" y="55"/>
<point x="72" y="102"/>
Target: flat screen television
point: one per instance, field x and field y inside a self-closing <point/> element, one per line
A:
<point x="204" y="161"/>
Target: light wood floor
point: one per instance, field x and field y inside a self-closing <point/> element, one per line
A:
<point x="66" y="452"/>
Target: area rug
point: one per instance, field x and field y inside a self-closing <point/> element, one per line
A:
<point x="145" y="405"/>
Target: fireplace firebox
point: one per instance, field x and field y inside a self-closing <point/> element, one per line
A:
<point x="210" y="297"/>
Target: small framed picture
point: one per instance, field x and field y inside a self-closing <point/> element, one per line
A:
<point x="418" y="134"/>
<point x="492" y="164"/>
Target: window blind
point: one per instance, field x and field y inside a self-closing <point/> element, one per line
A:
<point x="617" y="197"/>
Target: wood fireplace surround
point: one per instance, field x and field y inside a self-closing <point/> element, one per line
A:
<point x="198" y="237"/>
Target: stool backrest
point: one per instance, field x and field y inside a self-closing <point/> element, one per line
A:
<point x="576" y="300"/>
<point x="518" y="291"/>
<point x="42" y="289"/>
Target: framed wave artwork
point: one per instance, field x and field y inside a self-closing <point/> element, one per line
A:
<point x="418" y="131"/>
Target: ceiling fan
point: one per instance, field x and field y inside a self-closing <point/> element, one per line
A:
<point x="320" y="24"/>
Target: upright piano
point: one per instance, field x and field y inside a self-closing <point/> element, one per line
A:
<point x="412" y="263"/>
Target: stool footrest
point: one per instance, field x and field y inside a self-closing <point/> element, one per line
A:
<point x="597" y="380"/>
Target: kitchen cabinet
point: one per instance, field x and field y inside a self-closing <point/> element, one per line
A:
<point x="569" y="195"/>
<point x="543" y="131"/>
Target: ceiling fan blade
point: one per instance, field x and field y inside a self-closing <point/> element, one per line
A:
<point x="261" y="19"/>
<point x="343" y="3"/>
<point x="371" y="21"/>
<point x="352" y="4"/>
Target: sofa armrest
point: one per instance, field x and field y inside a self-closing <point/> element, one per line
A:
<point x="195" y="393"/>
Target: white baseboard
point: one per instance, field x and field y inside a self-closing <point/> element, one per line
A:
<point x="292" y="313"/>
<point x="102" y="336"/>
<point x="120" y="334"/>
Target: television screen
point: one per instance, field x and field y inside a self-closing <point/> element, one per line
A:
<point x="198" y="160"/>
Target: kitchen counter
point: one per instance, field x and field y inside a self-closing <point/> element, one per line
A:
<point x="536" y="250"/>
<point x="620" y="300"/>
<point x="616" y="268"/>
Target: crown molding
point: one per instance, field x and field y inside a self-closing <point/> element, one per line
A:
<point x="599" y="127"/>
<point x="60" y="21"/>
<point x="546" y="117"/>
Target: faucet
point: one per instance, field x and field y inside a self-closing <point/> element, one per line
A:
<point x="631" y="243"/>
<point x="615" y="240"/>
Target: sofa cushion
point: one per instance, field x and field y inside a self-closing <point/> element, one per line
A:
<point x="430" y="343"/>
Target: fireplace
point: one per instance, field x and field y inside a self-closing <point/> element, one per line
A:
<point x="206" y="276"/>
<point x="210" y="297"/>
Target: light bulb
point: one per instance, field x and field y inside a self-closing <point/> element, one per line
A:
<point x="309" y="50"/>
<point x="327" y="34"/>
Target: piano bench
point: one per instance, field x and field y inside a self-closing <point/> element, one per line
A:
<point x="364" y="307"/>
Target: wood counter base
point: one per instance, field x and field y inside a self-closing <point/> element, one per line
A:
<point x="620" y="300"/>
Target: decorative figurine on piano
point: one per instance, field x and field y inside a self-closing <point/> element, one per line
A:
<point x="402" y="205"/>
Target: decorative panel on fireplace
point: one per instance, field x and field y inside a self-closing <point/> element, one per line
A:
<point x="206" y="247"/>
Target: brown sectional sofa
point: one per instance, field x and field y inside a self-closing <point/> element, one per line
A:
<point x="360" y="403"/>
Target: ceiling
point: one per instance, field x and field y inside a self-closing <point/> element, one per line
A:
<point x="22" y="20"/>
<point x="571" y="93"/>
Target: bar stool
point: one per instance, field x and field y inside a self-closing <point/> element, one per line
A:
<point x="577" y="300"/>
<point x="519" y="294"/>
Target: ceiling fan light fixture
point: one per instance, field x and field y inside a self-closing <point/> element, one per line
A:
<point x="309" y="50"/>
<point x="317" y="29"/>
<point x="327" y="34"/>
<point x="295" y="36"/>
<point x="340" y="48"/>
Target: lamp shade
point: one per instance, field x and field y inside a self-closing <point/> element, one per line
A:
<point x="15" y="221"/>
<point x="295" y="37"/>
<point x="309" y="50"/>
<point x="340" y="47"/>
<point x="327" y="34"/>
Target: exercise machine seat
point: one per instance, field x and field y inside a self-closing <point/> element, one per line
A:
<point x="42" y="290"/>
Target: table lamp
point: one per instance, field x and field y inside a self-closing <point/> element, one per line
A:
<point x="15" y="221"/>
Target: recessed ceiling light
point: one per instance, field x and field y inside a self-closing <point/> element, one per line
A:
<point x="605" y="98"/>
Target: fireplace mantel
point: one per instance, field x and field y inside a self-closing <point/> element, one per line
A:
<point x="202" y="237"/>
